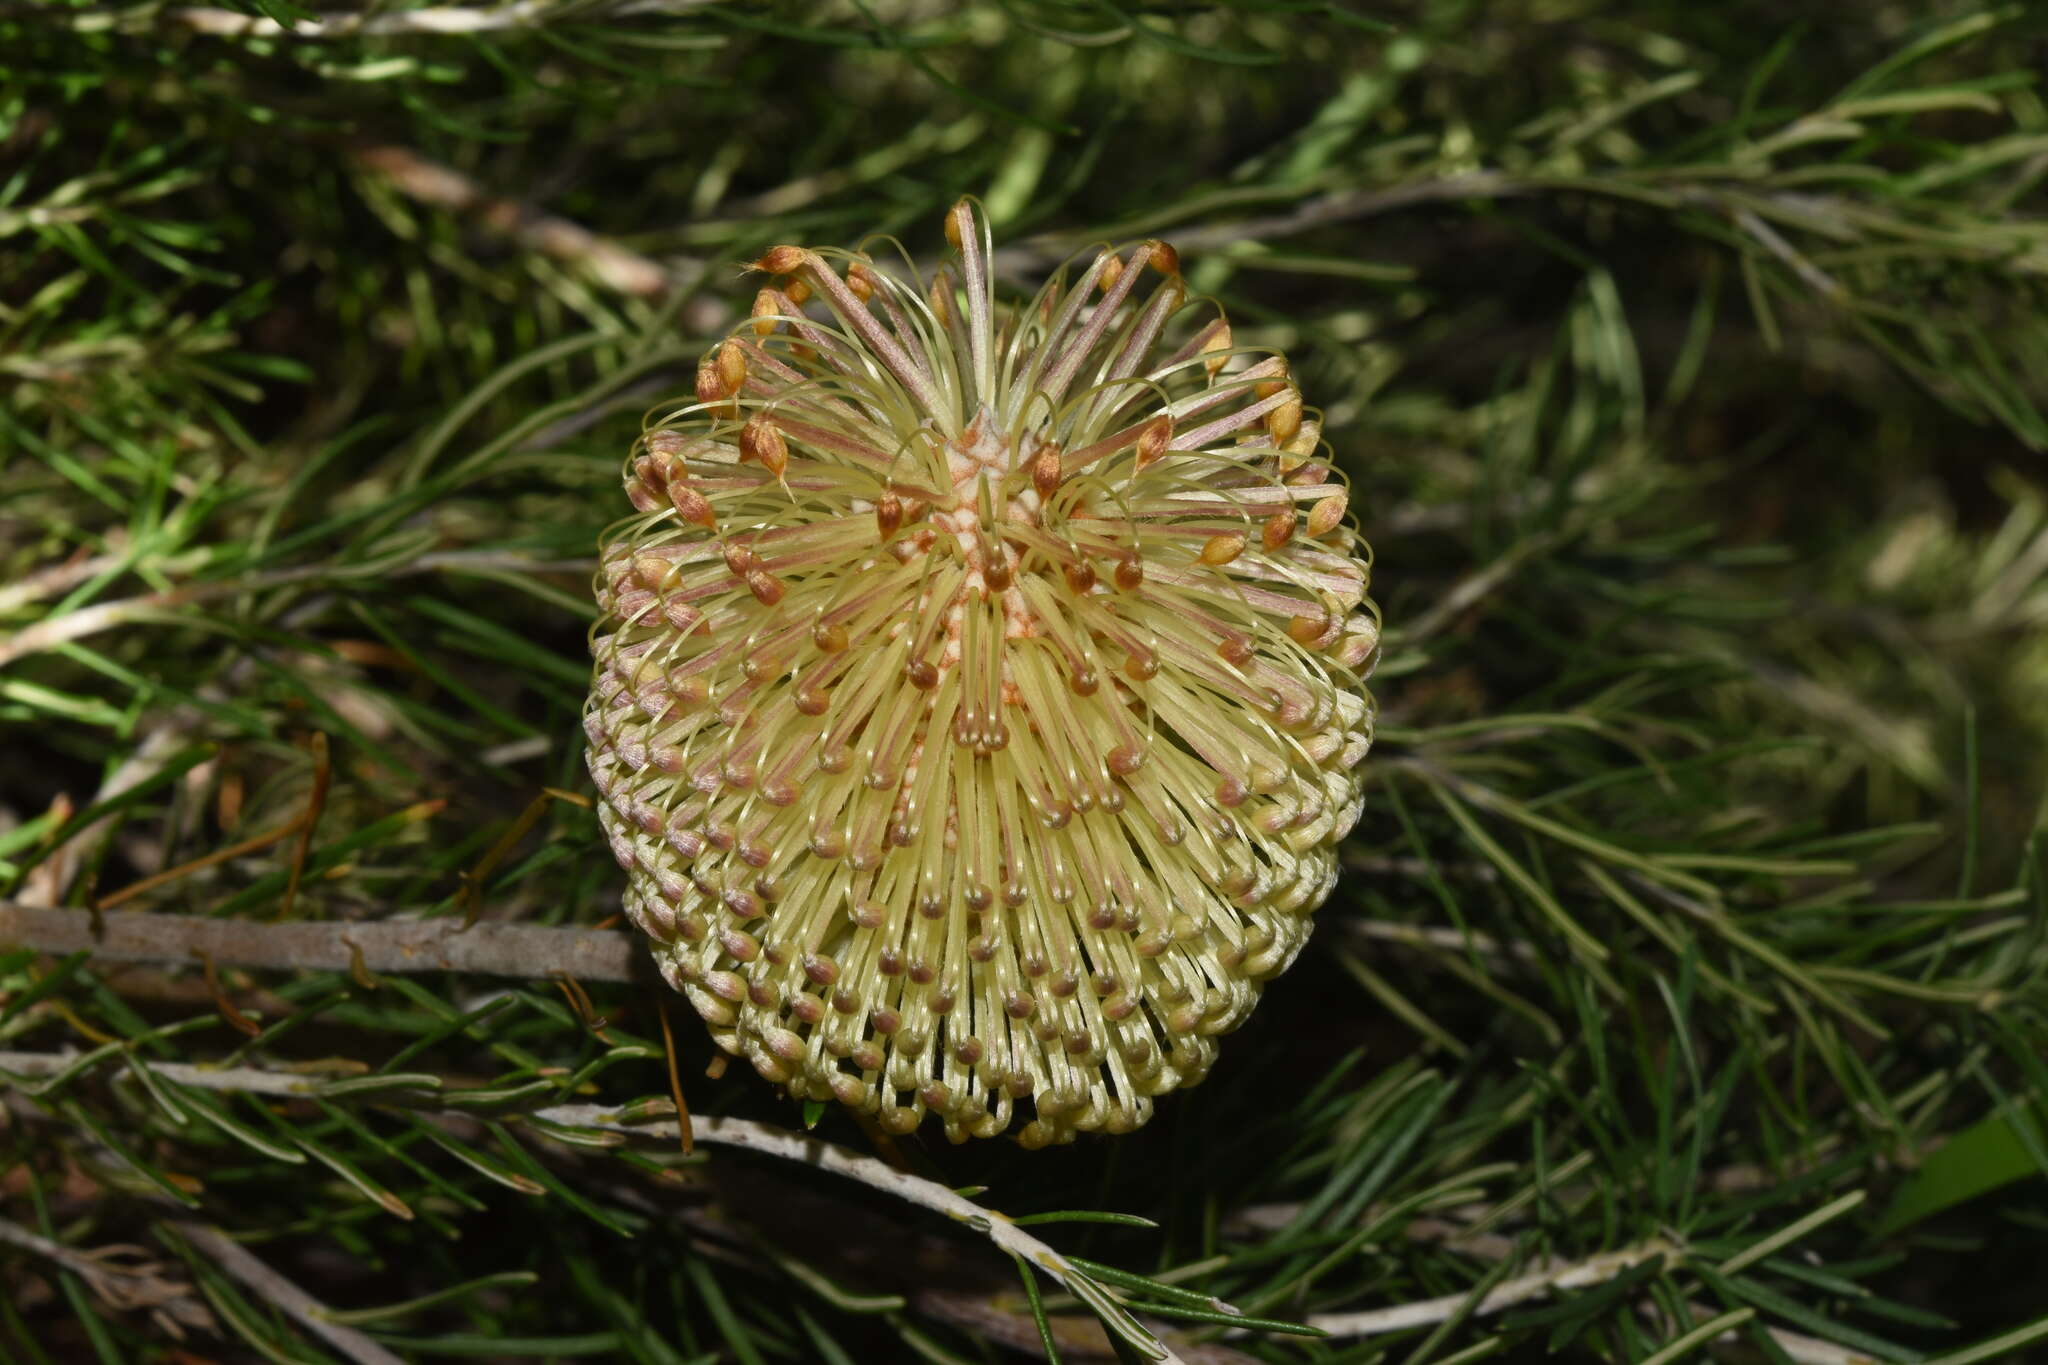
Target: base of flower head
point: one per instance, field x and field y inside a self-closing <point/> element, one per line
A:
<point x="1046" y="1078"/>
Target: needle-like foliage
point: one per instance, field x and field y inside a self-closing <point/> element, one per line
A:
<point x="1681" y="993"/>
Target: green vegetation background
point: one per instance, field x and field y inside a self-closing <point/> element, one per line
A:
<point x="1689" y="365"/>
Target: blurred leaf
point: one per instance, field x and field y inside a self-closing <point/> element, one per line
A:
<point x="1990" y="1154"/>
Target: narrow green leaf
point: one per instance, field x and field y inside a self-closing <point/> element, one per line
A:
<point x="508" y="1279"/>
<point x="1988" y="1155"/>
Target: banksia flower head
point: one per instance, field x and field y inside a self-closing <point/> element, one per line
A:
<point x="979" y="697"/>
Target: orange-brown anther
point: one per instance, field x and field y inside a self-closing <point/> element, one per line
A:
<point x="780" y="260"/>
<point x="940" y="296"/>
<point x="1164" y="258"/>
<point x="861" y="281"/>
<point x="762" y="440"/>
<point x="767" y="307"/>
<point x="1222" y="549"/>
<point x="740" y="560"/>
<point x="691" y="505"/>
<point x="651" y="570"/>
<point x="1282" y="422"/>
<point x="1307" y="630"/>
<point x="1215" y="351"/>
<point x="709" y="389"/>
<point x="1112" y="271"/>
<point x="1324" y="516"/>
<point x="1153" y="440"/>
<point x="888" y="514"/>
<point x="1130" y="572"/>
<point x="959" y="219"/>
<point x="1045" y="473"/>
<point x="765" y="586"/>
<point x="732" y="366"/>
<point x="1266" y="388"/>
<point x="721" y="372"/>
<point x="1278" y="529"/>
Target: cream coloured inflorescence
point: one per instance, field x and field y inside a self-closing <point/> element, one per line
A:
<point x="980" y="693"/>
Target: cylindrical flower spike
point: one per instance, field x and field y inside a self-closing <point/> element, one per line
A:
<point x="980" y="693"/>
